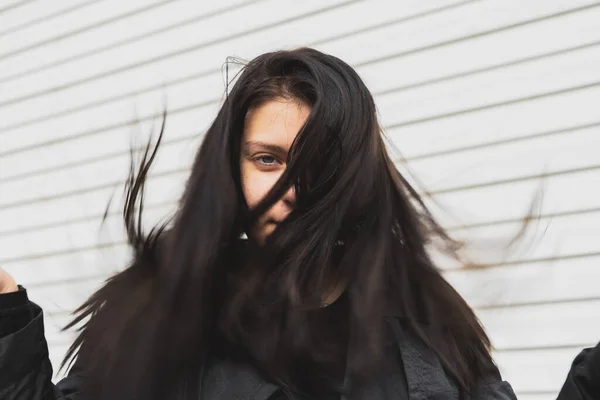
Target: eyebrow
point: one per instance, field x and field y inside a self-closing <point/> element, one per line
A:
<point x="273" y="148"/>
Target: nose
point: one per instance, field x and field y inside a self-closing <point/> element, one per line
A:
<point x="289" y="198"/>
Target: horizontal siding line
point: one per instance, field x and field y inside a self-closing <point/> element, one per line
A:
<point x="15" y="5"/>
<point x="523" y="138"/>
<point x="186" y="22"/>
<point x="534" y="303"/>
<point x="499" y="104"/>
<point x="76" y="192"/>
<point x="109" y="245"/>
<point x="68" y="340"/>
<point x="520" y="393"/>
<point x="373" y="61"/>
<point x="402" y="160"/>
<point x="544" y="348"/>
<point x="403" y="124"/>
<point x="106" y="276"/>
<point x="493" y="67"/>
<point x="426" y="194"/>
<point x="132" y="39"/>
<point x="113" y="214"/>
<point x="71" y="281"/>
<point x="496" y="306"/>
<point x="542" y="176"/>
<point x="542" y="217"/>
<point x="64" y="314"/>
<point x="397" y="21"/>
<point x="482" y="34"/>
<point x="105" y="128"/>
<point x="59" y="314"/>
<point x="419" y="84"/>
<point x="162" y="57"/>
<point x="98" y="103"/>
<point x="39" y="256"/>
<point x="92" y="160"/>
<point x="89" y="218"/>
<point x="95" y="25"/>
<point x="322" y="41"/>
<point x="47" y="17"/>
<point x="53" y="324"/>
<point x="529" y="261"/>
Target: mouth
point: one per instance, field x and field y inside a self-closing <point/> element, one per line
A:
<point x="272" y="221"/>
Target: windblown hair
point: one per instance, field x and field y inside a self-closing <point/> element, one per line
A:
<point x="357" y="220"/>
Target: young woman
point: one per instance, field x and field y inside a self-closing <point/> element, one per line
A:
<point x="294" y="268"/>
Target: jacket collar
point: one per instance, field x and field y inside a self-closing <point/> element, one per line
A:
<point x="422" y="376"/>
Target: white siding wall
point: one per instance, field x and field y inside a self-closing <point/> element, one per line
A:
<point x="482" y="97"/>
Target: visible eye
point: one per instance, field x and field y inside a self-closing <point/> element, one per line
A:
<point x="266" y="160"/>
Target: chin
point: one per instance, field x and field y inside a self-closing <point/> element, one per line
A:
<point x="261" y="232"/>
<point x="264" y="232"/>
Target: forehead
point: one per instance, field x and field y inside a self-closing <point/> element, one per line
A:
<point x="277" y="122"/>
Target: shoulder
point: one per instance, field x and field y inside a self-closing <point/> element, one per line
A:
<point x="425" y="375"/>
<point x="583" y="379"/>
<point x="493" y="389"/>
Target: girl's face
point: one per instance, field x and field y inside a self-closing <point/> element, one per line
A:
<point x="269" y="131"/>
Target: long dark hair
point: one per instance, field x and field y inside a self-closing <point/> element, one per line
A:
<point x="357" y="220"/>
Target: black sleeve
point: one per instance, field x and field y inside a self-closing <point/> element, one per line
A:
<point x="493" y="387"/>
<point x="25" y="369"/>
<point x="583" y="380"/>
<point x="15" y="312"/>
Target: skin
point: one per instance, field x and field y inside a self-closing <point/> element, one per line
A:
<point x="269" y="132"/>
<point x="7" y="283"/>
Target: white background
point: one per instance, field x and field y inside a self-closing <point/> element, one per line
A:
<point x="488" y="100"/>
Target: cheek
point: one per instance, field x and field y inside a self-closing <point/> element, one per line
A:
<point x="256" y="184"/>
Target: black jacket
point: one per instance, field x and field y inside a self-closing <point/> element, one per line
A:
<point x="26" y="372"/>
